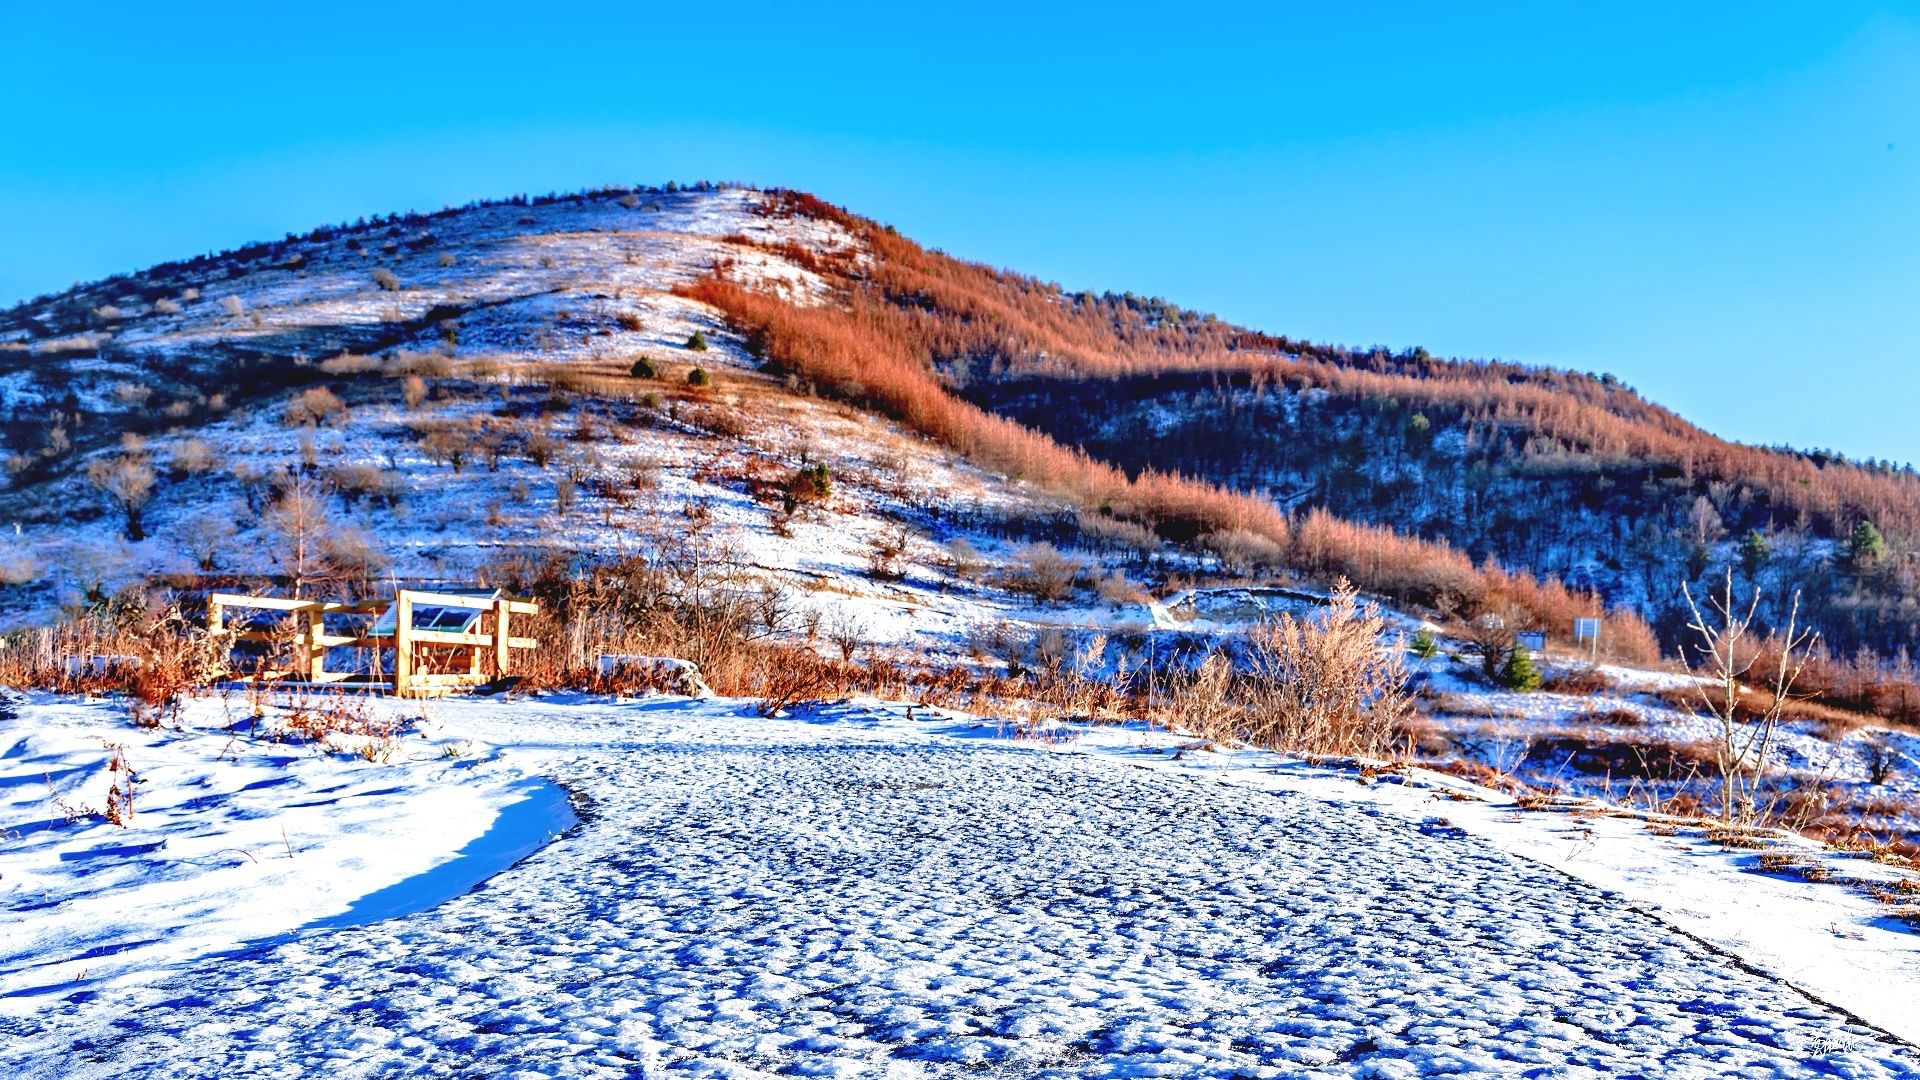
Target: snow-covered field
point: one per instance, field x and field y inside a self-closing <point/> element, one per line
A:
<point x="868" y="889"/>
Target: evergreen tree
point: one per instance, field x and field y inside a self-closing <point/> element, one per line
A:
<point x="1423" y="644"/>
<point x="642" y="368"/>
<point x="1520" y="673"/>
<point x="1754" y="551"/>
<point x="1865" y="548"/>
<point x="698" y="342"/>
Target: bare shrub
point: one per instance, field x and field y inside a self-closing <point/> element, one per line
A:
<point x="164" y="306"/>
<point x="445" y="260"/>
<point x="127" y="480"/>
<point x="350" y="364"/>
<point x="885" y="552"/>
<point x="169" y="657"/>
<point x="431" y="365"/>
<point x="687" y="595"/>
<point x="353" y="558"/>
<point x="1246" y="552"/>
<point x="1115" y="589"/>
<point x="121" y="789"/>
<point x="313" y="406"/>
<point x="847" y="634"/>
<point x="539" y="447"/>
<point x="1045" y="574"/>
<point x="191" y="457"/>
<point x="384" y="278"/>
<point x="368" y="482"/>
<point x="1584" y="679"/>
<point x="1197" y="701"/>
<point x="18" y="566"/>
<point x="449" y="444"/>
<point x="203" y="535"/>
<point x="233" y="306"/>
<point x="413" y="390"/>
<point x="1882" y="760"/>
<point x="964" y="559"/>
<point x="1324" y="685"/>
<point x="789" y="676"/>
<point x="132" y="394"/>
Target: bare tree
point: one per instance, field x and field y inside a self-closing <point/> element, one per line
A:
<point x="1489" y="638"/>
<point x="300" y="521"/>
<point x="1729" y="652"/>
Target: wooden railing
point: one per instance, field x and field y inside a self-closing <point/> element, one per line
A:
<point x="414" y="650"/>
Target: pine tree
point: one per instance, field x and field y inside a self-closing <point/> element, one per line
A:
<point x="1754" y="551"/>
<point x="1865" y="547"/>
<point x="698" y="342"/>
<point x="642" y="368"/>
<point x="1520" y="673"/>
<point x="1423" y="644"/>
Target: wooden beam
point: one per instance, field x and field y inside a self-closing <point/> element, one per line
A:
<point x="276" y="603"/>
<point x="325" y="640"/>
<point x="435" y="599"/>
<point x="448" y="637"/>
<point x="478" y="603"/>
<point x="501" y="648"/>
<point x="459" y="678"/>
<point x="402" y="642"/>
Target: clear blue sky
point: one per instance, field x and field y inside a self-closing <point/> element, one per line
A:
<point x="1717" y="204"/>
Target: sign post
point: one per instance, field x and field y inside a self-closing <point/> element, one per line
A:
<point x="1588" y="630"/>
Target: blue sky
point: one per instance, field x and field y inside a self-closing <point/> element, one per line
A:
<point x="1718" y="204"/>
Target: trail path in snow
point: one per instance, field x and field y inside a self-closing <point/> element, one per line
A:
<point x="754" y="897"/>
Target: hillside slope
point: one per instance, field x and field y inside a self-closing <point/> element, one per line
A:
<point x="1557" y="474"/>
<point x="1415" y="476"/>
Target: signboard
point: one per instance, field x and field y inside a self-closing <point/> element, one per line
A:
<point x="1532" y="640"/>
<point x="1586" y="629"/>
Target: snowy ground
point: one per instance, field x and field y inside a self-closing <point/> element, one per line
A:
<point x="855" y="892"/>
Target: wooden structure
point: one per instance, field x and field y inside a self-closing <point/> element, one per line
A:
<point x="440" y="640"/>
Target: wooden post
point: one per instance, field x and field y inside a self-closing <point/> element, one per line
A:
<point x="216" y="626"/>
<point x="302" y="657"/>
<point x="316" y="652"/>
<point x="402" y="642"/>
<point x="500" y="651"/>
